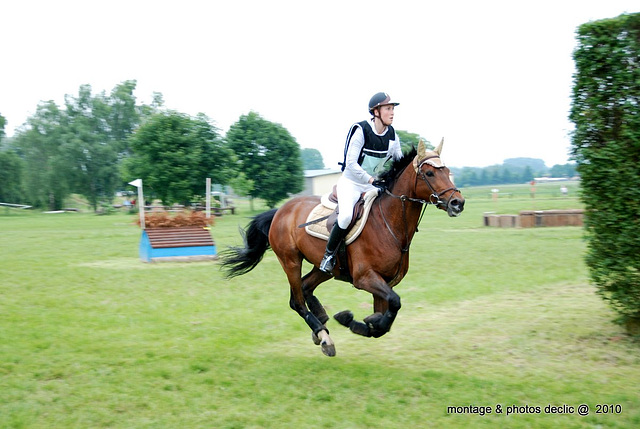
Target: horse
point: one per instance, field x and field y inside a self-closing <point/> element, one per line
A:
<point x="377" y="260"/>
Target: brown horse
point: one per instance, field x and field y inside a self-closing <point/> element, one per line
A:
<point x="377" y="260"/>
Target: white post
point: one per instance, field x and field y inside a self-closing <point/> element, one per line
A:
<point x="208" y="199"/>
<point x="141" y="205"/>
<point x="138" y="184"/>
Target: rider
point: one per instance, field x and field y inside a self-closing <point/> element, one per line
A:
<point x="369" y="145"/>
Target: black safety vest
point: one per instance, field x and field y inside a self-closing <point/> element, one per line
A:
<point x="374" y="145"/>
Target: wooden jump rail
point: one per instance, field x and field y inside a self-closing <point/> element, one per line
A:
<point x="176" y="242"/>
<point x="534" y="219"/>
<point x="218" y="211"/>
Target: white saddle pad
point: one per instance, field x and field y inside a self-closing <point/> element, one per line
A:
<point x="326" y="207"/>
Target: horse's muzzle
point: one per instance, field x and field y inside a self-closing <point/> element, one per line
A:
<point x="455" y="206"/>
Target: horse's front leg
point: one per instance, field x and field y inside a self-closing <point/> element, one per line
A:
<point x="386" y="307"/>
<point x="385" y="313"/>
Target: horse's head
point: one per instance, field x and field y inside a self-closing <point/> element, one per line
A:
<point x="433" y="181"/>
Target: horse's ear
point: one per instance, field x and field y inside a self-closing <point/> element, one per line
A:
<point x="439" y="148"/>
<point x="422" y="150"/>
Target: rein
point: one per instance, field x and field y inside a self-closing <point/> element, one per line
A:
<point x="404" y="251"/>
<point x="403" y="198"/>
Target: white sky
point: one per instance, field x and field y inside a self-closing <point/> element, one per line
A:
<point x="492" y="77"/>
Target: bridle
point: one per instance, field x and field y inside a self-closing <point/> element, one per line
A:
<point x="434" y="199"/>
<point x="434" y="194"/>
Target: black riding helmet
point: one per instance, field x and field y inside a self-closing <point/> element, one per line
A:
<point x="380" y="99"/>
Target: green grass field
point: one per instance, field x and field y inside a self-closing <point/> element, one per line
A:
<point x="91" y="337"/>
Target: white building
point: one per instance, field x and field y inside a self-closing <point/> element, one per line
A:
<point x="319" y="182"/>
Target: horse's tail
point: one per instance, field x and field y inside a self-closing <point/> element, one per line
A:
<point x="237" y="260"/>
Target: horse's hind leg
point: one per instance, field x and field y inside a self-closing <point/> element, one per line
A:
<point x="297" y="302"/>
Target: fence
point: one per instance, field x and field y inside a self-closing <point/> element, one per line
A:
<point x="532" y="219"/>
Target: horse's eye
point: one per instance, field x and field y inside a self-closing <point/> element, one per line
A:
<point x="429" y="173"/>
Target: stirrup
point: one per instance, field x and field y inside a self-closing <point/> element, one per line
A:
<point x="328" y="262"/>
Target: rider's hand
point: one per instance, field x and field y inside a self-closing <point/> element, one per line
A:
<point x="381" y="185"/>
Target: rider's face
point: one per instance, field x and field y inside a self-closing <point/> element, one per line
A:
<point x="386" y="114"/>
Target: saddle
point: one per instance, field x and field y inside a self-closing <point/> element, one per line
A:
<point x="328" y="209"/>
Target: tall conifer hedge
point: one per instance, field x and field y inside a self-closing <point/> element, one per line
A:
<point x="606" y="146"/>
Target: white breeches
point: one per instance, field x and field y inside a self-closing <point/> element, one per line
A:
<point x="348" y="195"/>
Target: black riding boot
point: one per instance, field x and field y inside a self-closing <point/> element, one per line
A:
<point x="329" y="259"/>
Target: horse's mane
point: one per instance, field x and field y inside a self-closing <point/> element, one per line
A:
<point x="397" y="167"/>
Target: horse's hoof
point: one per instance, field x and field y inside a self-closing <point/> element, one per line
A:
<point x="329" y="350"/>
<point x="344" y="317"/>
<point x="326" y="343"/>
<point x="315" y="339"/>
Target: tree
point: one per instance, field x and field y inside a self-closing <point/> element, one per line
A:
<point x="123" y="114"/>
<point x="409" y="140"/>
<point x="91" y="137"/>
<point x="241" y="185"/>
<point x="11" y="167"/>
<point x="157" y="103"/>
<point x="78" y="149"/>
<point x="174" y="154"/>
<point x="311" y="159"/>
<point x="507" y="176"/>
<point x="467" y="177"/>
<point x="534" y="164"/>
<point x="527" y="175"/>
<point x="484" y="177"/>
<point x="606" y="145"/>
<point x="563" y="170"/>
<point x="39" y="143"/>
<point x="268" y="155"/>
<point x="496" y="177"/>
<point x="3" y="123"/>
